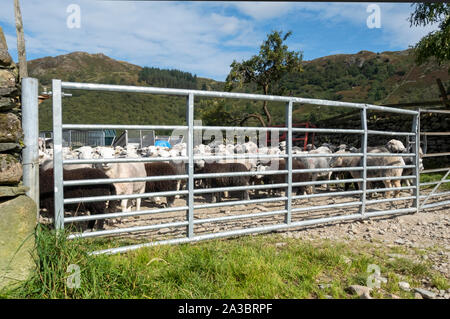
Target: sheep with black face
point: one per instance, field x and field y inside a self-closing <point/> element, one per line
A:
<point x="47" y="195"/>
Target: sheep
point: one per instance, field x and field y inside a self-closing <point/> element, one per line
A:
<point x="41" y="144"/>
<point x="318" y="162"/>
<point x="374" y="161"/>
<point x="46" y="161"/>
<point x="250" y="147"/>
<point x="46" y="189"/>
<point x="328" y="146"/>
<point x="392" y="172"/>
<point x="410" y="160"/>
<point x="230" y="149"/>
<point x="297" y="150"/>
<point x="395" y="146"/>
<point x="310" y="147"/>
<point x="342" y="147"/>
<point x="180" y="167"/>
<point x="161" y="169"/>
<point x="126" y="170"/>
<point x="381" y="161"/>
<point x="123" y="170"/>
<point x="84" y="152"/>
<point x="225" y="181"/>
<point x="280" y="164"/>
<point x="344" y="161"/>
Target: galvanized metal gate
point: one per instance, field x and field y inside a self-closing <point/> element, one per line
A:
<point x="289" y="211"/>
<point x="444" y="196"/>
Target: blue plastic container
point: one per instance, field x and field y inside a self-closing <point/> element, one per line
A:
<point x="162" y="143"/>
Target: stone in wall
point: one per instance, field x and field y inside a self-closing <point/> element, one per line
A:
<point x="5" y="59"/>
<point x="5" y="88"/>
<point x="8" y="79"/>
<point x="10" y="147"/>
<point x="10" y="170"/>
<point x="10" y="128"/>
<point x="12" y="191"/>
<point x="18" y="222"/>
<point x="7" y="103"/>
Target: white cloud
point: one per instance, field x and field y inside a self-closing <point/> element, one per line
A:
<point x="264" y="10"/>
<point x="202" y="38"/>
<point x="165" y="34"/>
<point x="395" y="26"/>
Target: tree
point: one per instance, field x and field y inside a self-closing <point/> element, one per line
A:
<point x="23" y="73"/>
<point x="437" y="43"/>
<point x="218" y="113"/>
<point x="265" y="70"/>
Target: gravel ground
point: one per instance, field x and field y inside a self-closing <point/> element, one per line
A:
<point x="425" y="230"/>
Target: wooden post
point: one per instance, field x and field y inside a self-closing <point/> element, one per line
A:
<point x="23" y="72"/>
<point x="3" y="44"/>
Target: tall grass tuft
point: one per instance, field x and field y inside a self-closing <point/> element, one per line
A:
<point x="52" y="257"/>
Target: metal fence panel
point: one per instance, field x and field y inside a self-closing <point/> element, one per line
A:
<point x="446" y="170"/>
<point x="190" y="208"/>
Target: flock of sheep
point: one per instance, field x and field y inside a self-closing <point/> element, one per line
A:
<point x="250" y="158"/>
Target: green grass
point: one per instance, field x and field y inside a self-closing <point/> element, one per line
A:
<point x="434" y="177"/>
<point x="440" y="283"/>
<point x="245" y="267"/>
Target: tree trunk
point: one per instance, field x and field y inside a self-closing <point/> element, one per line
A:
<point x="267" y="113"/>
<point x="23" y="72"/>
<point x="257" y="116"/>
<point x="265" y="109"/>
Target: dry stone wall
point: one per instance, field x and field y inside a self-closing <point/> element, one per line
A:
<point x="17" y="211"/>
<point x="11" y="134"/>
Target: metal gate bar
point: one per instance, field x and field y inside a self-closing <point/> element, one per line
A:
<point x="252" y="230"/>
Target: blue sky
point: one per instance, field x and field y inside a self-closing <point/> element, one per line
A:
<point x="205" y="37"/>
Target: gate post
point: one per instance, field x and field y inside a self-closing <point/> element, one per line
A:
<point x="364" y="160"/>
<point x="57" y="154"/>
<point x="416" y="131"/>
<point x="288" y="166"/>
<point x="190" y="165"/>
<point x="30" y="125"/>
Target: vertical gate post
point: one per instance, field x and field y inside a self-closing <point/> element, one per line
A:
<point x="30" y="125"/>
<point x="288" y="166"/>
<point x="416" y="131"/>
<point x="57" y="154"/>
<point x="190" y="165"/>
<point x="364" y="151"/>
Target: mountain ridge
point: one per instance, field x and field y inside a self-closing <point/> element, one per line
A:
<point x="368" y="77"/>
